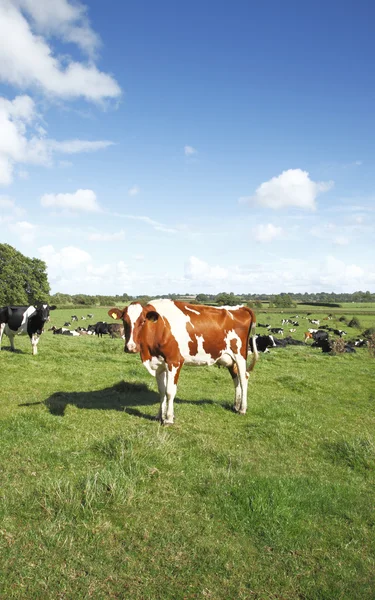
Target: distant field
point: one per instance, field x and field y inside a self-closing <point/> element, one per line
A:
<point x="97" y="500"/>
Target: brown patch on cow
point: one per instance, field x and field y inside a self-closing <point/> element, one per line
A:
<point x="155" y="338"/>
<point x="234" y="346"/>
<point x="193" y="344"/>
<point x="213" y="325"/>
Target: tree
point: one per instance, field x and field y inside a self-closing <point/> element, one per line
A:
<point x="23" y="280"/>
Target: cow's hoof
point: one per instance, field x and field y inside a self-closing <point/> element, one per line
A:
<point x="242" y="412"/>
<point x="167" y="422"/>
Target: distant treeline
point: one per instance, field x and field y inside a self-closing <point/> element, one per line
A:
<point x="224" y="298"/>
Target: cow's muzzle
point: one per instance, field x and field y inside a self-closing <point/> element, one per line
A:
<point x="130" y="348"/>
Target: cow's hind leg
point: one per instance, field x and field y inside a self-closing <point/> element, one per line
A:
<point x="237" y="387"/>
<point x="2" y="327"/>
<point x="243" y="376"/>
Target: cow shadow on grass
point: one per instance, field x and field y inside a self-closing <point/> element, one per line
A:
<point x="123" y="396"/>
<point x="9" y="349"/>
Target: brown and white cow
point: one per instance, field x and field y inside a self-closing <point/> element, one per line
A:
<point x="169" y="334"/>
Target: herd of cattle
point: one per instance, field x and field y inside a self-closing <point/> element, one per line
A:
<point x="168" y="334"/>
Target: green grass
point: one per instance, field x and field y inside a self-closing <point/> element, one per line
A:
<point x="97" y="500"/>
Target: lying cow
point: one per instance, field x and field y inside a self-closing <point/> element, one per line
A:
<point x="170" y="333"/>
<point x="22" y="320"/>
<point x="263" y="342"/>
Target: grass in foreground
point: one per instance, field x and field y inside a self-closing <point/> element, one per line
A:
<point x="98" y="501"/>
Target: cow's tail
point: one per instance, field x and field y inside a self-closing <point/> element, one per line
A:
<point x="254" y="355"/>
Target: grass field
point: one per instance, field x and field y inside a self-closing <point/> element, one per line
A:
<point x="97" y="500"/>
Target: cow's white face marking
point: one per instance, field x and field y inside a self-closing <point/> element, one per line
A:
<point x="134" y="312"/>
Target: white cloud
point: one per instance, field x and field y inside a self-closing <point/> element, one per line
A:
<point x="62" y="19"/>
<point x="154" y="224"/>
<point x="22" y="140"/>
<point x="10" y="208"/>
<point x="341" y="240"/>
<point x="27" y="60"/>
<point x="199" y="270"/>
<point x="267" y="233"/>
<point x="106" y="237"/>
<point x="335" y="272"/>
<point x="189" y="150"/>
<point x="68" y="259"/>
<point x="293" y="188"/>
<point x="79" y="201"/>
<point x="24" y="230"/>
<point x="134" y="190"/>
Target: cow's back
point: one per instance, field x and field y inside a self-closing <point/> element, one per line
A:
<point x="202" y="333"/>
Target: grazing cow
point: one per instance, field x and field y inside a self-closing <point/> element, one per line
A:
<point x="83" y="318"/>
<point x="314" y="322"/>
<point x="170" y="333"/>
<point x="89" y="316"/>
<point x="22" y="320"/>
<point x="263" y="342"/>
<point x="74" y="318"/>
<point x="261" y="325"/>
<point x="339" y="332"/>
<point x="276" y="330"/>
<point x="101" y="328"/>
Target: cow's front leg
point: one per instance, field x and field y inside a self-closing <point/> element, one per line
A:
<point x="11" y="339"/>
<point x="167" y="379"/>
<point x="34" y="343"/>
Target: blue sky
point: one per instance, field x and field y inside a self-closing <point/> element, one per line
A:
<point x="189" y="147"/>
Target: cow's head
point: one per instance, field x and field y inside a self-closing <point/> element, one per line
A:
<point x="134" y="318"/>
<point x="42" y="312"/>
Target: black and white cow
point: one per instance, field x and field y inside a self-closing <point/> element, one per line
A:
<point x="22" y="320"/>
<point x="276" y="330"/>
<point x="263" y="342"/>
<point x="74" y="318"/>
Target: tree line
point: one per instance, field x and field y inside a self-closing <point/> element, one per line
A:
<point x="24" y="280"/>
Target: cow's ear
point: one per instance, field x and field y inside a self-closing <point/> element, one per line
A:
<point x="53" y="307"/>
<point x="115" y="313"/>
<point x="152" y="316"/>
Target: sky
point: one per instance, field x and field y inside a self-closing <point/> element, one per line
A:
<point x="190" y="147"/>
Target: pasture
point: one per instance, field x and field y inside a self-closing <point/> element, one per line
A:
<point x="97" y="500"/>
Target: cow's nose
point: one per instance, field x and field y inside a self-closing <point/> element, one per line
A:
<point x="130" y="347"/>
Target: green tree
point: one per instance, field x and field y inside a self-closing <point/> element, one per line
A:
<point x="23" y="280"/>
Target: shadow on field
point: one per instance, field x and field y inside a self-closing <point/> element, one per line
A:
<point x="123" y="396"/>
<point x="9" y="349"/>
